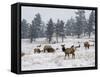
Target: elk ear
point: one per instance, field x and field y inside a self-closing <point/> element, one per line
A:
<point x="72" y="46"/>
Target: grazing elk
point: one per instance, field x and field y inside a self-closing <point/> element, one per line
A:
<point x="48" y="48"/>
<point x="68" y="51"/>
<point x="37" y="50"/>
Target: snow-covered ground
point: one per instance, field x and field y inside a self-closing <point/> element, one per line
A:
<point x="38" y="61"/>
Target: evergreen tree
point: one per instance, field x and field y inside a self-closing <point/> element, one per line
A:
<point x="33" y="32"/>
<point x="35" y="28"/>
<point x="50" y="30"/>
<point x="57" y="29"/>
<point x="61" y="30"/>
<point x="91" y="23"/>
<point x="70" y="27"/>
<point x="37" y="24"/>
<point x="80" y="18"/>
<point x="24" y="29"/>
<point x="42" y="29"/>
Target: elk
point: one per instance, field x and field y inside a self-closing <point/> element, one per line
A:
<point x="87" y="45"/>
<point x="68" y="51"/>
<point x="37" y="50"/>
<point x="48" y="48"/>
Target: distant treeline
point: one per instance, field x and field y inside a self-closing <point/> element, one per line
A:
<point x="73" y="27"/>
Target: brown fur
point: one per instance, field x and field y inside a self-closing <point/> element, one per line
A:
<point x="68" y="51"/>
<point x="37" y="50"/>
<point x="48" y="48"/>
<point x="86" y="45"/>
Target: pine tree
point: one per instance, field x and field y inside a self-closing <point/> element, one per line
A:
<point x="61" y="30"/>
<point x="35" y="28"/>
<point x="57" y="29"/>
<point x="70" y="27"/>
<point x="50" y="30"/>
<point x="91" y="23"/>
<point x="42" y="29"/>
<point x="24" y="29"/>
<point x="80" y="18"/>
<point x="33" y="32"/>
<point x="84" y="24"/>
<point x="37" y="24"/>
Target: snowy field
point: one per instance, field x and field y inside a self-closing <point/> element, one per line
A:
<point x="38" y="61"/>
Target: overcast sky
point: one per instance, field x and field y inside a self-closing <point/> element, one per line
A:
<point x="28" y="13"/>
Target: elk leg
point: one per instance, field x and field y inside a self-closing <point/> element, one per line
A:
<point x="44" y="50"/>
<point x="88" y="46"/>
<point x="68" y="56"/>
<point x="35" y="51"/>
<point x="73" y="55"/>
<point x="65" y="56"/>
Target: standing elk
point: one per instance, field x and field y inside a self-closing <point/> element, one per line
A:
<point x="68" y="51"/>
<point x="87" y="45"/>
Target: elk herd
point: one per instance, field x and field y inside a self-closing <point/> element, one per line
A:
<point x="67" y="51"/>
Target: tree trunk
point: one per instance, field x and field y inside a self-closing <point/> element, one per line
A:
<point x="31" y="39"/>
<point x="57" y="38"/>
<point x="78" y="36"/>
<point x="49" y="40"/>
<point x="84" y="33"/>
<point x="89" y="35"/>
<point x="62" y="39"/>
<point x="34" y="39"/>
